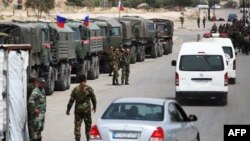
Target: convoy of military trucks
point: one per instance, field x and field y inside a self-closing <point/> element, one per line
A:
<point x="59" y="53"/>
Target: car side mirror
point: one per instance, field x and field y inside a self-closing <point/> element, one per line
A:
<point x="173" y="63"/>
<point x="192" y="118"/>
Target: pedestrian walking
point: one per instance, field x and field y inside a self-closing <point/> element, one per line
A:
<point x="204" y="22"/>
<point x="198" y="22"/>
<point x="82" y="95"/>
<point x="125" y="66"/>
<point x="36" y="110"/>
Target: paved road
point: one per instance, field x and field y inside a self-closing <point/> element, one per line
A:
<point x="155" y="78"/>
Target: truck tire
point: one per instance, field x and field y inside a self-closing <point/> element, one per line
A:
<point x="50" y="82"/>
<point x="92" y="71"/>
<point x="166" y="49"/>
<point x="97" y="67"/>
<point x="61" y="83"/>
<point x="133" y="55"/>
<point x="83" y="69"/>
<point x="68" y="70"/>
<point x="154" y="52"/>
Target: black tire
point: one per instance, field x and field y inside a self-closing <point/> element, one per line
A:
<point x="68" y="69"/>
<point x="92" y="71"/>
<point x="154" y="52"/>
<point x="83" y="69"/>
<point x="133" y="55"/>
<point x="97" y="67"/>
<point x="50" y="82"/>
<point x="61" y="82"/>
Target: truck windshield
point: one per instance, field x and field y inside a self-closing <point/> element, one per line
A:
<point x="201" y="63"/>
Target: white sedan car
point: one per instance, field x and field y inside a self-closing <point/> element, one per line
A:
<point x="145" y="119"/>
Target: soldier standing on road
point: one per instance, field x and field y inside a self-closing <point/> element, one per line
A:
<point x="82" y="95"/>
<point x="204" y="22"/>
<point x="214" y="28"/>
<point x="198" y="22"/>
<point x="220" y="29"/>
<point x="125" y="66"/>
<point x="116" y="63"/>
<point x="110" y="55"/>
<point x="36" y="110"/>
<point x="31" y="86"/>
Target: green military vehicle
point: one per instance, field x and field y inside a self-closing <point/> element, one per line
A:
<point x="88" y="47"/>
<point x="143" y="37"/>
<point x="111" y="30"/>
<point x="164" y="32"/>
<point x="53" y="50"/>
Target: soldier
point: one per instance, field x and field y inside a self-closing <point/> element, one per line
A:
<point x="30" y="86"/>
<point x="110" y="55"/>
<point x="125" y="66"/>
<point x="198" y="21"/>
<point x="36" y="110"/>
<point x="116" y="64"/>
<point x="204" y="22"/>
<point x="220" y="29"/>
<point x="214" y="28"/>
<point x="81" y="95"/>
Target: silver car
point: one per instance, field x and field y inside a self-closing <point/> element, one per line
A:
<point x="145" y="119"/>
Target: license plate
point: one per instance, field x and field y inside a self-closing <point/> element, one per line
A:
<point x="125" y="135"/>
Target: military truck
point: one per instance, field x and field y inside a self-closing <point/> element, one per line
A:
<point x="143" y="37"/>
<point x="88" y="47"/>
<point x="13" y="87"/>
<point x="111" y="31"/>
<point x="53" y="50"/>
<point x="164" y="32"/>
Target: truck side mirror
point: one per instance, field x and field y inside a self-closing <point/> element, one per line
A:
<point x="173" y="63"/>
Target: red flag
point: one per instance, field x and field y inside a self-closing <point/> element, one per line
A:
<point x="120" y="6"/>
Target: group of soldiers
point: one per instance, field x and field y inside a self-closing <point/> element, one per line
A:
<point x="119" y="58"/>
<point x="238" y="33"/>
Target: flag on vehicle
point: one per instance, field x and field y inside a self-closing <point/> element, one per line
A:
<point x="120" y="6"/>
<point x="60" y="21"/>
<point x="86" y="21"/>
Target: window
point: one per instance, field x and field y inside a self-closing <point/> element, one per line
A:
<point x="150" y="26"/>
<point x="134" y="111"/>
<point x="228" y="50"/>
<point x="176" y="113"/>
<point x="115" y="31"/>
<point x="201" y="63"/>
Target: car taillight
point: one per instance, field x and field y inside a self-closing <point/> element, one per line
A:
<point x="176" y="79"/>
<point x="225" y="79"/>
<point x="94" y="133"/>
<point x="158" y="135"/>
<point x="234" y="64"/>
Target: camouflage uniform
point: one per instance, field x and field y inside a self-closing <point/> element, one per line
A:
<point x="82" y="95"/>
<point x="125" y="67"/>
<point x="37" y="101"/>
<point x="116" y="61"/>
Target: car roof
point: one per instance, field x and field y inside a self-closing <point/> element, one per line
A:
<point x="156" y="101"/>
<point x="195" y="47"/>
<point x="220" y="41"/>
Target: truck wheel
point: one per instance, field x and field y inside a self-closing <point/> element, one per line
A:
<point x="133" y="55"/>
<point x="83" y="69"/>
<point x="139" y="54"/>
<point x="50" y="82"/>
<point x="68" y="70"/>
<point x="154" y="52"/>
<point x="97" y="67"/>
<point x="92" y="71"/>
<point x="62" y="79"/>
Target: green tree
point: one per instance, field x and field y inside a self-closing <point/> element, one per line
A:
<point x="75" y="2"/>
<point x="40" y="6"/>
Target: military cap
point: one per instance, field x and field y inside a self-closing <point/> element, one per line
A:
<point x="82" y="78"/>
<point x="40" y="79"/>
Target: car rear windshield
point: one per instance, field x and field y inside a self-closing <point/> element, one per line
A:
<point x="228" y="50"/>
<point x="201" y="63"/>
<point x="134" y="111"/>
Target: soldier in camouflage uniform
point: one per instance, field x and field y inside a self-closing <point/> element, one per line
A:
<point x="81" y="95"/>
<point x="30" y="87"/>
<point x="110" y="57"/>
<point x="116" y="63"/>
<point x="125" y="61"/>
<point x="36" y="111"/>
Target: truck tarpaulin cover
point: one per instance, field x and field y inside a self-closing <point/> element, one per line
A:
<point x="17" y="101"/>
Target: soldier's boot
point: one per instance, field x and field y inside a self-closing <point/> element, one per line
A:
<point x="126" y="83"/>
<point x="113" y="82"/>
<point x="116" y="82"/>
<point x="77" y="139"/>
<point x="122" y="82"/>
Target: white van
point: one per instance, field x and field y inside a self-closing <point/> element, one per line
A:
<point x="229" y="51"/>
<point x="201" y="72"/>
